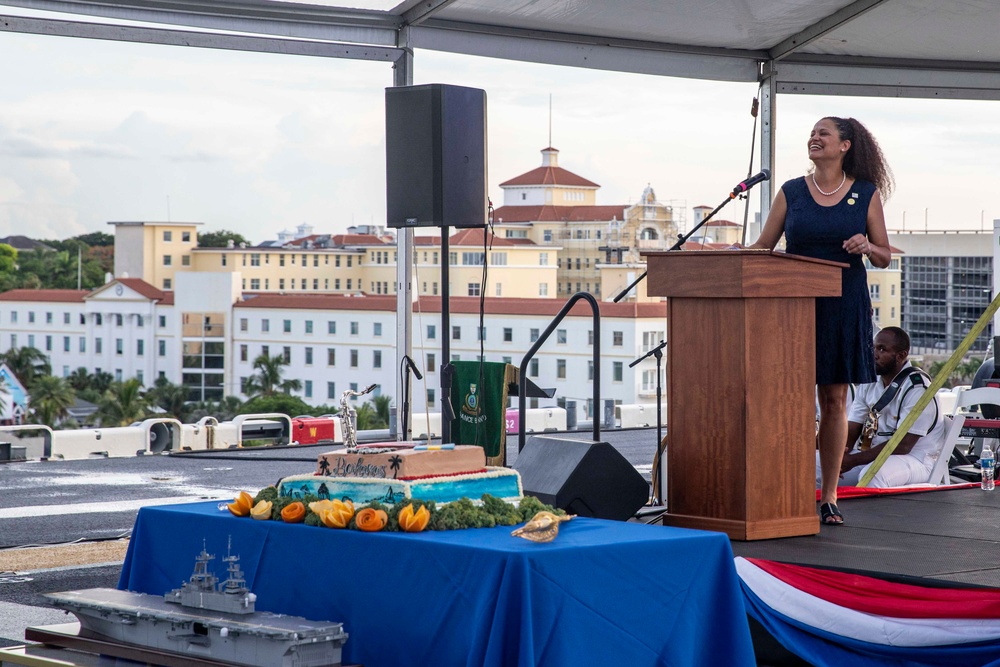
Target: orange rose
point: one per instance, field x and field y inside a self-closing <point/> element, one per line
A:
<point x="338" y="514"/>
<point x="293" y="512"/>
<point x="413" y="522"/>
<point x="371" y="520"/>
<point x="241" y="505"/>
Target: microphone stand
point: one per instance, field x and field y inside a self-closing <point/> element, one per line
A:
<point x="658" y="353"/>
<point x="408" y="365"/>
<point x="681" y="240"/>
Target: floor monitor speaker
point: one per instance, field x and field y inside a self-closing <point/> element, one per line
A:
<point x="435" y="156"/>
<point x="581" y="476"/>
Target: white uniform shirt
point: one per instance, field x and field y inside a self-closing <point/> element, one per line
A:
<point x="929" y="425"/>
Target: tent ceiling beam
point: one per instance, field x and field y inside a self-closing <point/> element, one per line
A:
<point x="589" y="52"/>
<point x="423" y="10"/>
<point x="822" y="27"/>
<point x="889" y="79"/>
<point x="262" y="18"/>
<point x="209" y="40"/>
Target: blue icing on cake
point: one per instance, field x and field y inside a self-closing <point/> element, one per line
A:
<point x="498" y="482"/>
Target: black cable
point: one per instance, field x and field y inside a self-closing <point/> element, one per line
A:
<point x="488" y="235"/>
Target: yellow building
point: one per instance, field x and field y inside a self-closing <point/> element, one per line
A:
<point x="154" y="251"/>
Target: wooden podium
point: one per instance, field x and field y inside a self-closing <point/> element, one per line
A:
<point x="741" y="407"/>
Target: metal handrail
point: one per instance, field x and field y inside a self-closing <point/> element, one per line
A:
<point x="523" y="371"/>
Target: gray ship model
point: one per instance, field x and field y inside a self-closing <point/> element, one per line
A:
<point x="206" y="619"/>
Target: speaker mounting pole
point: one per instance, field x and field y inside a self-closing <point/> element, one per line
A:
<point x="402" y="75"/>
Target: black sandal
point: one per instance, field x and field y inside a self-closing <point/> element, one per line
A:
<point x="829" y="515"/>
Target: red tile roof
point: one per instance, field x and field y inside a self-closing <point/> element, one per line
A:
<point x="464" y="305"/>
<point x="45" y="295"/>
<point x="559" y="213"/>
<point x="143" y="288"/>
<point x="547" y="175"/>
<point x="355" y="239"/>
<point x="470" y="237"/>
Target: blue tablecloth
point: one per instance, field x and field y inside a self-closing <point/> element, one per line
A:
<point x="603" y="593"/>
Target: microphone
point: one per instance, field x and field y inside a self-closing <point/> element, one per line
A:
<point x="765" y="174"/>
<point x="413" y="367"/>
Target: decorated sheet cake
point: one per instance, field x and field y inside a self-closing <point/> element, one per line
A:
<point x="391" y="472"/>
<point x="502" y="483"/>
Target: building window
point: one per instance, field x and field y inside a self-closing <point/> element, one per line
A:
<point x="167" y="283"/>
<point x="286" y="326"/>
<point x="309" y="326"/>
<point x="547" y="236"/>
<point x="616" y="371"/>
<point x="244" y="352"/>
<point x="140" y="348"/>
<point x="473" y="289"/>
<point x="331" y="356"/>
<point x="331" y="390"/>
<point x="244" y="324"/>
<point x="308" y="388"/>
<point x="430" y="397"/>
<point x="543" y="259"/>
<point x="185" y="237"/>
<point x="66" y="344"/>
<point x="265" y="350"/>
<point x="119" y="320"/>
<point x="533" y="368"/>
<point x="331" y="327"/>
<point x="309" y="356"/>
<point x="163" y="321"/>
<point x="286" y="354"/>
<point x="168" y="260"/>
<point x="377" y="359"/>
<point x="533" y="335"/>
<point x="48" y="344"/>
<point x="431" y="332"/>
<point x="508" y="334"/>
<point x="429" y="368"/>
<point x="617" y="338"/>
<point x="98" y="346"/>
<point x="119" y="346"/>
<point x="65" y="318"/>
<point x="561" y="369"/>
<point x="543" y="289"/>
<point x="377" y="327"/>
<point x="354" y="328"/>
<point x="873" y="290"/>
<point x="185" y="260"/>
<point x="163" y="348"/>
<point x="561" y="336"/>
<point x="83" y="344"/>
<point x="265" y="325"/>
<point x="168" y="236"/>
<point x="255" y="284"/>
<point x="590" y="369"/>
<point x="31" y="317"/>
<point x="456" y="333"/>
<point x="590" y="337"/>
<point x="354" y="358"/>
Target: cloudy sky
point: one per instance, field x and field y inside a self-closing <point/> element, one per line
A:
<point x="93" y="131"/>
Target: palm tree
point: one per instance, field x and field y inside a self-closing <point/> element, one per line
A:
<point x="80" y="379"/>
<point x="123" y="403"/>
<point x="172" y="398"/>
<point x="267" y="381"/>
<point x="382" y="405"/>
<point x="367" y="419"/>
<point x="27" y="363"/>
<point x="51" y="398"/>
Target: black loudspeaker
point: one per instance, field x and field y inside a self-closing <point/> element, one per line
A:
<point x="581" y="476"/>
<point x="435" y="156"/>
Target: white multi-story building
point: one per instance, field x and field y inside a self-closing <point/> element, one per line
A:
<point x="207" y="333"/>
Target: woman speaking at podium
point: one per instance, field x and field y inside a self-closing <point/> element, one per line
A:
<point x="835" y="213"/>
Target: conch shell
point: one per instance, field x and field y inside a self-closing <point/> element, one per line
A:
<point x="543" y="527"/>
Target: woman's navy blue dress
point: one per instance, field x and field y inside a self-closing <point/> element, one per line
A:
<point x="845" y="352"/>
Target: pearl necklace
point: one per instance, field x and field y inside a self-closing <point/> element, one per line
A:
<point x="827" y="194"/>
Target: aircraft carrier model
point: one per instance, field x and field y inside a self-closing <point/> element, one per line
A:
<point x="206" y="619"/>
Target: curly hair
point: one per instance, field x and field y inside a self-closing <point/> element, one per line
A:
<point x="864" y="159"/>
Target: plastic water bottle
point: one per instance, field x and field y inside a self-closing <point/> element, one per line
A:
<point x="987" y="463"/>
